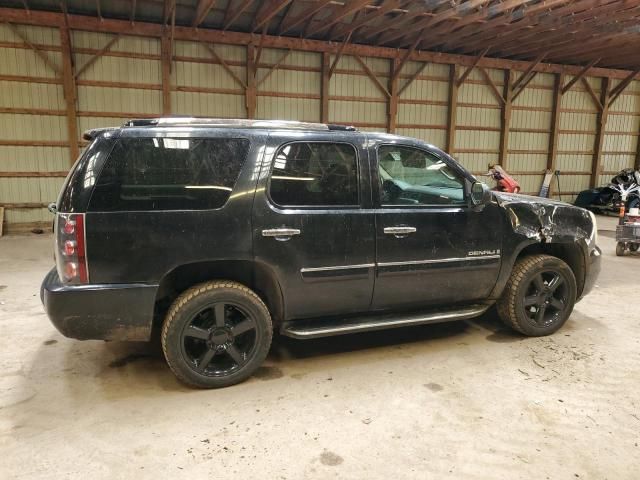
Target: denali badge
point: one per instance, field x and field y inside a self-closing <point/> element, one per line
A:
<point x="481" y="253"/>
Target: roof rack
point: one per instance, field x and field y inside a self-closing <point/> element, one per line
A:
<point x="236" y="123"/>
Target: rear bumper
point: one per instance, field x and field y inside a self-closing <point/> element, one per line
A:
<point x="594" y="262"/>
<point x="99" y="312"/>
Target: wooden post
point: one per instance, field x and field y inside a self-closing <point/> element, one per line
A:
<point x="453" y="106"/>
<point x="165" y="56"/>
<point x="70" y="94"/>
<point x="250" y="92"/>
<point x="636" y="164"/>
<point x="507" y="94"/>
<point x="555" y="126"/>
<point x="392" y="105"/>
<point x="324" y="93"/>
<point x="601" y="123"/>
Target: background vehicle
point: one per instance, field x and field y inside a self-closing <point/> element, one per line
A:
<point x="607" y="199"/>
<point x="216" y="231"/>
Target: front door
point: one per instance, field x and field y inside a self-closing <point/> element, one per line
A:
<point x="432" y="248"/>
<point x="310" y="228"/>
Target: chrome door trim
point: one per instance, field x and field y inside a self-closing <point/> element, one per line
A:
<point x="399" y="230"/>
<point x="438" y="260"/>
<point x="280" y="232"/>
<point x="337" y="267"/>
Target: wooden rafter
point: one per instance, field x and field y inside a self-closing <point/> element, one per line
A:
<point x="232" y="15"/>
<point x="169" y="7"/>
<point x="100" y="53"/>
<point x="267" y="12"/>
<point x="273" y="68"/>
<point x="347" y="9"/>
<point x="591" y="93"/>
<point x="225" y="65"/>
<point x="35" y="49"/>
<point x="261" y="44"/>
<point x="98" y="9"/>
<point x="132" y="15"/>
<point x="303" y="16"/>
<point x="372" y="76"/>
<point x="516" y="93"/>
<point x="384" y="9"/>
<point x="577" y="77"/>
<point x="202" y="10"/>
<point x="491" y="84"/>
<point x="412" y="78"/>
<point x="339" y="55"/>
<point x="528" y="71"/>
<point x="405" y="57"/>
<point x="429" y="22"/>
<point x="466" y="73"/>
<point x="615" y="93"/>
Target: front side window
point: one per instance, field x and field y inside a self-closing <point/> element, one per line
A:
<point x="410" y="176"/>
<point x="315" y="174"/>
<point x="169" y="174"/>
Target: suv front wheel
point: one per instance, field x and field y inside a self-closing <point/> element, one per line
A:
<point x="216" y="334"/>
<point x="539" y="296"/>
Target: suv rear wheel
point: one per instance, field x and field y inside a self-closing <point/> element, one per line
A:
<point x="216" y="334"/>
<point x="539" y="296"/>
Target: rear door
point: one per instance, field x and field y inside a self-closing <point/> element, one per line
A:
<point x="311" y="225"/>
<point x="432" y="248"/>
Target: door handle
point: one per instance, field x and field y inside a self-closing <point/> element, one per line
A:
<point x="281" y="234"/>
<point x="399" y="232"/>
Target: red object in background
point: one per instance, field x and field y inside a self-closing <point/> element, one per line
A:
<point x="506" y="183"/>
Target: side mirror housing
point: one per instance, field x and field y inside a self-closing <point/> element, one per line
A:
<point x="480" y="195"/>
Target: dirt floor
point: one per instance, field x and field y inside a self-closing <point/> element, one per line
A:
<point x="459" y="400"/>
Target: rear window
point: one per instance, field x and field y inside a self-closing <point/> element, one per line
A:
<point x="169" y="174"/>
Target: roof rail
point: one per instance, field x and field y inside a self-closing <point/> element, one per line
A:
<point x="236" y="123"/>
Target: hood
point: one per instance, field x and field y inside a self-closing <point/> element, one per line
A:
<point x="546" y="220"/>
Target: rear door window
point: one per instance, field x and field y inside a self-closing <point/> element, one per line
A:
<point x="169" y="174"/>
<point x="315" y="174"/>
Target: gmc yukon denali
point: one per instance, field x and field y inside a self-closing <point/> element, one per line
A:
<point x="216" y="231"/>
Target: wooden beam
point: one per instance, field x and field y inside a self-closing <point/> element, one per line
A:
<point x="601" y="123"/>
<point x="506" y="118"/>
<point x="169" y="7"/>
<point x="554" y="128"/>
<point x="324" y="92"/>
<point x="475" y="63"/>
<point x="202" y="10"/>
<point x="261" y="44"/>
<point x="273" y="68"/>
<point x="232" y="15"/>
<point x="591" y="93"/>
<point x="372" y="76"/>
<point x="552" y="158"/>
<point x="453" y="107"/>
<point x="36" y="50"/>
<point x="338" y="55"/>
<point x="405" y="57"/>
<point x="415" y="75"/>
<point x="132" y="16"/>
<point x="225" y="65"/>
<point x="636" y="163"/>
<point x="347" y="9"/>
<point x="165" y="56"/>
<point x="580" y="74"/>
<point x="533" y="65"/>
<point x="305" y="15"/>
<point x="250" y="91"/>
<point x="392" y="104"/>
<point x="70" y="94"/>
<point x="615" y="93"/>
<point x="386" y="7"/>
<point x="491" y="84"/>
<point x="523" y="85"/>
<point x="98" y="9"/>
<point x="145" y="29"/>
<point x="102" y="51"/>
<point x="269" y="10"/>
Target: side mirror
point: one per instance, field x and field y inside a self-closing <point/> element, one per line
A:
<point x="480" y="194"/>
<point x="52" y="207"/>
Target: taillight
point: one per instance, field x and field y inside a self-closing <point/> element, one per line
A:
<point x="71" y="258"/>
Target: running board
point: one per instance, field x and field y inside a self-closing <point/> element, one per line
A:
<point x="321" y="327"/>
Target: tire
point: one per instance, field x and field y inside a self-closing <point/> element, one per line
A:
<point x="634" y="247"/>
<point x="539" y="295"/>
<point x="620" y="248"/>
<point x="216" y="334"/>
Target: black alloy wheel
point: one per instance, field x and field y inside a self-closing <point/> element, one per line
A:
<point x="546" y="298"/>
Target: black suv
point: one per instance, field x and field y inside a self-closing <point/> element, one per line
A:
<point x="217" y="231"/>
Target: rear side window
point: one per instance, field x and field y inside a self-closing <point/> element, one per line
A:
<point x="315" y="174"/>
<point x="169" y="174"/>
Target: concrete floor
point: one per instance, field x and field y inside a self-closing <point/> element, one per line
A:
<point x="459" y="400"/>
